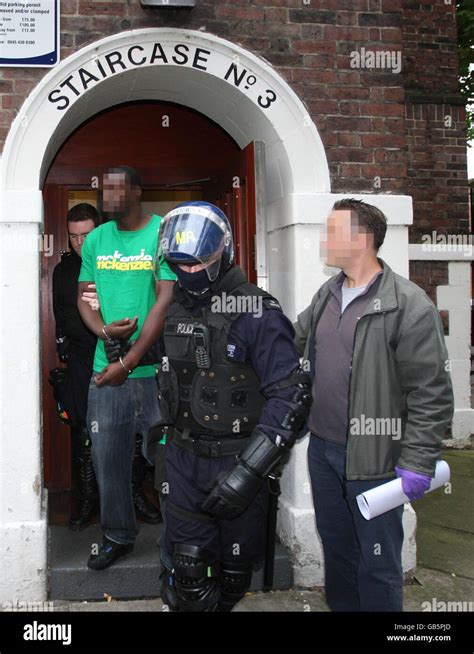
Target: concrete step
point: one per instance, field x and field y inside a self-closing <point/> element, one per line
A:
<point x="136" y="575"/>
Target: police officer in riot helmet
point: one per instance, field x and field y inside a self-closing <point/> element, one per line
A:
<point x="236" y="399"/>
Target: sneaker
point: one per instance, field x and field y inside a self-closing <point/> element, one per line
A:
<point x="109" y="551"/>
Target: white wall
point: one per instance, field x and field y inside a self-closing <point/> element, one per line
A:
<point x="455" y="297"/>
<point x="23" y="526"/>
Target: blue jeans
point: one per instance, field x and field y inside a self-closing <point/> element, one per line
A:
<point x="362" y="557"/>
<point x="115" y="414"/>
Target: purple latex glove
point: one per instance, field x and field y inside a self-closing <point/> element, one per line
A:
<point x="414" y="484"/>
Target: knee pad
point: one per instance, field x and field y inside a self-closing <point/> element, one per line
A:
<point x="196" y="578"/>
<point x="235" y="579"/>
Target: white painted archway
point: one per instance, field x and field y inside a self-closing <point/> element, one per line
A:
<point x="244" y="95"/>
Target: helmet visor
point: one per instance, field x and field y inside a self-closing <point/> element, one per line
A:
<point x="191" y="236"/>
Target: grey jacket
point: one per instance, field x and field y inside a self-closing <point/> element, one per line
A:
<point x="401" y="398"/>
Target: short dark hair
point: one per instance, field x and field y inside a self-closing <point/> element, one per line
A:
<point x="369" y="218"/>
<point x="83" y="211"/>
<point x="131" y="173"/>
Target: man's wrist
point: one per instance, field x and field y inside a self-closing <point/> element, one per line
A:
<point x="104" y="333"/>
<point x="124" y="366"/>
<point x="130" y="361"/>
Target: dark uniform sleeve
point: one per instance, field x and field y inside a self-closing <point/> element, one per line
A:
<point x="68" y="319"/>
<point x="268" y="342"/>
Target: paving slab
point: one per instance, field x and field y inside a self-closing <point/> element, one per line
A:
<point x="431" y="588"/>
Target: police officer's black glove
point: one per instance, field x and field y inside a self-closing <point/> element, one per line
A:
<point x="233" y="493"/>
<point x="116" y="348"/>
<point x="236" y="489"/>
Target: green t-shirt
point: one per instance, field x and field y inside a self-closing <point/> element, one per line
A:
<point x="120" y="263"/>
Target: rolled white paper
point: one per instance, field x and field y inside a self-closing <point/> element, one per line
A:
<point x="388" y="496"/>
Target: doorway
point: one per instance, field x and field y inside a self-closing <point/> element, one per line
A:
<point x="180" y="155"/>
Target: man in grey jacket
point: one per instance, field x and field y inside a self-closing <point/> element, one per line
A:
<point x="382" y="402"/>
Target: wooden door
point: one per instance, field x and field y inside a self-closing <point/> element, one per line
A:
<point x="56" y="435"/>
<point x="239" y="194"/>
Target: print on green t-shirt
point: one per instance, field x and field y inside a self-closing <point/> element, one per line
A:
<point x="120" y="263"/>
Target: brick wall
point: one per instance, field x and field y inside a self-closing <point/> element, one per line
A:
<point x="437" y="175"/>
<point x="383" y="132"/>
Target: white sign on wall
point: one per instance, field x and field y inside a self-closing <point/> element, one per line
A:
<point x="162" y="53"/>
<point x="29" y="33"/>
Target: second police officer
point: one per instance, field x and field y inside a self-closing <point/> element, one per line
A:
<point x="237" y="401"/>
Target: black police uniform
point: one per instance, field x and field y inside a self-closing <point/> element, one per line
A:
<point x="227" y="376"/>
<point x="76" y="345"/>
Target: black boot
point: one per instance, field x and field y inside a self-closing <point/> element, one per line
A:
<point x="85" y="482"/>
<point x="144" y="509"/>
<point x="235" y="580"/>
<point x="168" y="590"/>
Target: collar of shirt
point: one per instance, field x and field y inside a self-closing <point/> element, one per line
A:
<point x="336" y="282"/>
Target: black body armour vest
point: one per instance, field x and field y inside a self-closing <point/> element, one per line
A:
<point x="223" y="398"/>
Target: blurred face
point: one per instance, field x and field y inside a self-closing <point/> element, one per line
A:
<point x="78" y="232"/>
<point x="343" y="240"/>
<point x="118" y="195"/>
